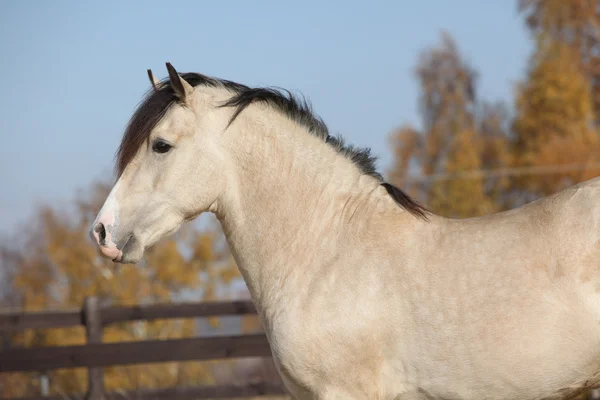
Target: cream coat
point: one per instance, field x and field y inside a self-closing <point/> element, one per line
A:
<point x="359" y="298"/>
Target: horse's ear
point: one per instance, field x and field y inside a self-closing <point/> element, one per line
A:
<point x="153" y="80"/>
<point x="183" y="90"/>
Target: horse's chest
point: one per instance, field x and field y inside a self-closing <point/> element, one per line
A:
<point x="315" y="356"/>
<point x="297" y="356"/>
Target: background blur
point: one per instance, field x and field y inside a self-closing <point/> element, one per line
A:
<point x="473" y="107"/>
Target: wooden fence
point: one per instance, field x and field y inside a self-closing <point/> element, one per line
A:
<point x="95" y="355"/>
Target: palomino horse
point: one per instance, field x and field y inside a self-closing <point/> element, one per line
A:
<point x="363" y="293"/>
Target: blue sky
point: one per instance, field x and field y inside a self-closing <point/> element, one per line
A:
<point x="73" y="71"/>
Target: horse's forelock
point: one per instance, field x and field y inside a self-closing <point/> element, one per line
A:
<point x="144" y="119"/>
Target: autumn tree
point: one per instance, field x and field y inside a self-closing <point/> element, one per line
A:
<point x="554" y="124"/>
<point x="494" y="131"/>
<point x="574" y="24"/>
<point x="454" y="139"/>
<point x="58" y="267"/>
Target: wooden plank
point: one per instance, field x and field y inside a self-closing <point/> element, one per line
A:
<point x="149" y="351"/>
<point x="212" y="392"/>
<point x="184" y="393"/>
<point x="169" y="311"/>
<point x="14" y="321"/>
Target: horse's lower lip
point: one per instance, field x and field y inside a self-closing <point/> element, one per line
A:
<point x="111" y="252"/>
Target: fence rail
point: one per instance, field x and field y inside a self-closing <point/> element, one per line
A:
<point x="126" y="353"/>
<point x="95" y="355"/>
<point x="17" y="321"/>
<point x="183" y="393"/>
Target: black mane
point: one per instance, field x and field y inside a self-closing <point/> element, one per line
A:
<point x="158" y="101"/>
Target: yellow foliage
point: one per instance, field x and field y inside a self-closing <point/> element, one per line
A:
<point x="554" y="123"/>
<point x="462" y="198"/>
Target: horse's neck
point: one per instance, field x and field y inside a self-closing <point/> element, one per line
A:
<point x="290" y="203"/>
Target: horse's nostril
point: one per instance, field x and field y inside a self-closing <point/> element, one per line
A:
<point x="101" y="231"/>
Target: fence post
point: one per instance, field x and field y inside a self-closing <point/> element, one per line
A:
<point x="93" y="330"/>
<point x="44" y="384"/>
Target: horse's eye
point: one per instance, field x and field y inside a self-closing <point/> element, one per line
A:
<point x="161" y="147"/>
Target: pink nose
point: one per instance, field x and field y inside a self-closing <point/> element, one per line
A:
<point x="107" y="247"/>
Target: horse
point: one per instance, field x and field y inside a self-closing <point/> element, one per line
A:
<point x="362" y="291"/>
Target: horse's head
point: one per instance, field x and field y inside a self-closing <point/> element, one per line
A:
<point x="170" y="166"/>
